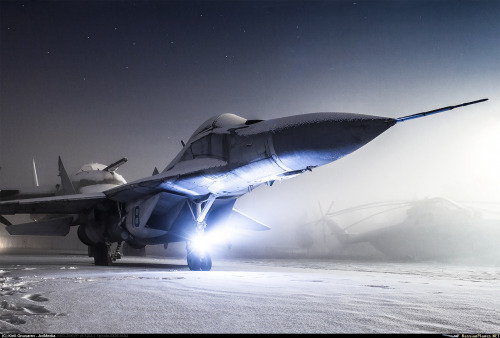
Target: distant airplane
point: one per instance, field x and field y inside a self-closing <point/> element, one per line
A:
<point x="92" y="177"/>
<point x="428" y="229"/>
<point x="226" y="157"/>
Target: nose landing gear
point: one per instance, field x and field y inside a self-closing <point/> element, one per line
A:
<point x="197" y="256"/>
<point x="197" y="261"/>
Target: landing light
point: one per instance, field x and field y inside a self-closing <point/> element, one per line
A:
<point x="199" y="243"/>
<point x="206" y="241"/>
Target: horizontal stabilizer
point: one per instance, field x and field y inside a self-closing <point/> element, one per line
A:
<point x="6" y="194"/>
<point x="67" y="204"/>
<point x="112" y="167"/>
<point x="29" y="192"/>
<point x="436" y="111"/>
<point x="51" y="227"/>
<point x="242" y="221"/>
<point x="4" y="220"/>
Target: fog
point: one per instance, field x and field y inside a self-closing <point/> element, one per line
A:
<point x="449" y="158"/>
<point x="84" y="81"/>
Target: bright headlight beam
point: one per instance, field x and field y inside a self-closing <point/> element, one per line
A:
<point x="199" y="243"/>
<point x="204" y="242"/>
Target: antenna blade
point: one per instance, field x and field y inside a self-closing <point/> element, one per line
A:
<point x="35" y="177"/>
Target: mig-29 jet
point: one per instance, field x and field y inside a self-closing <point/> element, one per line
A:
<point x="92" y="177"/>
<point x="226" y="157"/>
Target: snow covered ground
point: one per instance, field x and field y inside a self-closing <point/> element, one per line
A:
<point x="68" y="294"/>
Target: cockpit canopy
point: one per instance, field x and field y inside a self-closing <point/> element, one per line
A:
<point x="91" y="167"/>
<point x="208" y="140"/>
<point x="224" y="121"/>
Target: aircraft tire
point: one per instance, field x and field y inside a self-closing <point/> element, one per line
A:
<point x="206" y="263"/>
<point x="194" y="262"/>
<point x="101" y="255"/>
<point x="197" y="263"/>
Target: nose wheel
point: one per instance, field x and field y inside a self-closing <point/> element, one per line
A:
<point x="197" y="262"/>
<point x="198" y="257"/>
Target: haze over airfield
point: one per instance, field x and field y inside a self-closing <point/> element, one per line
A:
<point x="94" y="81"/>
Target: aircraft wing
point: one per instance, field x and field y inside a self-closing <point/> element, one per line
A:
<point x="129" y="192"/>
<point x="24" y="193"/>
<point x="246" y="222"/>
<point x="51" y="227"/>
<point x="136" y="190"/>
<point x="67" y="204"/>
<point x="164" y="182"/>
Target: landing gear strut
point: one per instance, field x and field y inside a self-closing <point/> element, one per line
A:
<point x="117" y="254"/>
<point x="197" y="257"/>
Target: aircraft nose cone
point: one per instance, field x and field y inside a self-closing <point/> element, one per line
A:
<point x="312" y="140"/>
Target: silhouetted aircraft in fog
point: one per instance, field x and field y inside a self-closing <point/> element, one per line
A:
<point x="427" y="229"/>
<point x="226" y="157"/>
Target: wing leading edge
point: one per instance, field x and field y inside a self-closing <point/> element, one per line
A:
<point x="51" y="227"/>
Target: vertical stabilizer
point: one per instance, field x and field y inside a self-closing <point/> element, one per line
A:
<point x="67" y="186"/>
<point x="35" y="177"/>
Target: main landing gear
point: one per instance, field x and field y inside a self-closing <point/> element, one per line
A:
<point x="103" y="255"/>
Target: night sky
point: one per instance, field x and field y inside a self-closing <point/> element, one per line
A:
<point x="94" y="81"/>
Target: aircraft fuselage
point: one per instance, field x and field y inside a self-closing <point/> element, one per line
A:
<point x="230" y="160"/>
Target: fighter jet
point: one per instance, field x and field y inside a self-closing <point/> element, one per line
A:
<point x="225" y="158"/>
<point x="90" y="177"/>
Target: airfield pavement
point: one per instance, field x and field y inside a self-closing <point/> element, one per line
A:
<point x="67" y="294"/>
